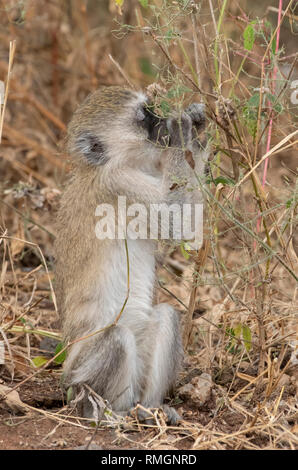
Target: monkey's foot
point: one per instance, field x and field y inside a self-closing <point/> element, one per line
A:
<point x="147" y="415"/>
<point x="173" y="417"/>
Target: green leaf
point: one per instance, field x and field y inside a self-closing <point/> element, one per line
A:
<point x="187" y="246"/>
<point x="144" y="3"/>
<point x="165" y="108"/>
<point x="246" y="333"/>
<point x="69" y="394"/>
<point x="271" y="97"/>
<point x="146" y="67"/>
<point x="232" y="341"/>
<point x="249" y="37"/>
<point x="184" y="252"/>
<point x="278" y="107"/>
<point x="61" y="358"/>
<point x="183" y="3"/>
<point x="177" y="91"/>
<point x="237" y="330"/>
<point x="254" y="100"/>
<point x="250" y="113"/>
<point x="225" y="180"/>
<point x="119" y="2"/>
<point x="39" y="361"/>
<point x="170" y="34"/>
<point x="273" y="45"/>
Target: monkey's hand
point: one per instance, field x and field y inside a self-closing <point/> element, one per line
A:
<point x="178" y="169"/>
<point x="196" y="111"/>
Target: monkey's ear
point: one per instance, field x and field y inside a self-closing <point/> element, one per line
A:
<point x="92" y="148"/>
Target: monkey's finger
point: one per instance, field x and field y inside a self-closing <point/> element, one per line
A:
<point x="196" y="111"/>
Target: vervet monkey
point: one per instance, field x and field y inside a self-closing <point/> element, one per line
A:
<point x="120" y="147"/>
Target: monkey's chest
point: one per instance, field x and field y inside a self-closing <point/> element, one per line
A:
<point x="126" y="279"/>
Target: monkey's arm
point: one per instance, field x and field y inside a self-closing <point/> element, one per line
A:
<point x="163" y="217"/>
<point x="137" y="186"/>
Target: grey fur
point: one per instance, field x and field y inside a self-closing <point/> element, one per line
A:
<point x="91" y="147"/>
<point x="137" y="360"/>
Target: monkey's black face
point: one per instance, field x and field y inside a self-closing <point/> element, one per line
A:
<point x="153" y="124"/>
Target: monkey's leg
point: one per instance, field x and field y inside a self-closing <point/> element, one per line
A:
<point x="108" y="364"/>
<point x="164" y="358"/>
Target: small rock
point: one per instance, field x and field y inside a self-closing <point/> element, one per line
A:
<point x="198" y="390"/>
<point x="10" y="399"/>
<point x="48" y="345"/>
<point x="284" y="380"/>
<point x="244" y="365"/>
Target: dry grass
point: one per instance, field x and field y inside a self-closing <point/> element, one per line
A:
<point x="241" y="297"/>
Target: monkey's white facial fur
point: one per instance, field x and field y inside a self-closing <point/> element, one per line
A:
<point x="140" y="114"/>
<point x="113" y="118"/>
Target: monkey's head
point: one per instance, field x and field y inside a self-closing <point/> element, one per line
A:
<point x="111" y="124"/>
